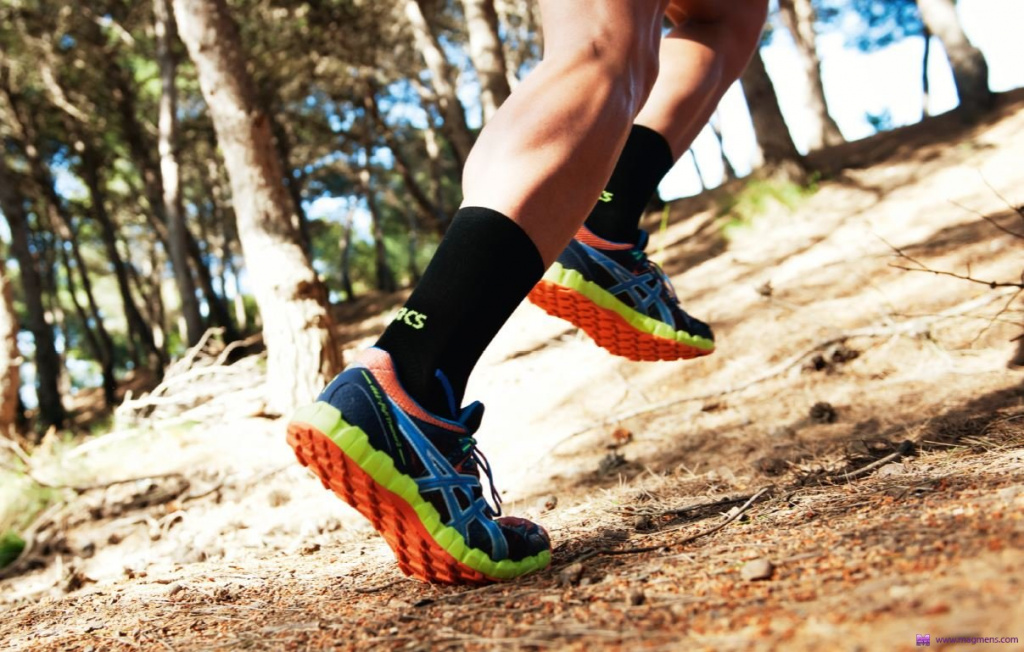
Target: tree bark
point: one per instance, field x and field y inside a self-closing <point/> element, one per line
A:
<point x="487" y="55"/>
<point x="302" y="354"/>
<point x="970" y="70"/>
<point x="169" y="171"/>
<point x="385" y="277"/>
<point x="139" y="330"/>
<point x="728" y="171"/>
<point x="455" y="127"/>
<point x="47" y="361"/>
<point x="283" y="144"/>
<point x="346" y="257"/>
<point x="10" y="357"/>
<point x="926" y="86"/>
<point x="430" y="213"/>
<point x="778" y="153"/>
<point x="799" y="17"/>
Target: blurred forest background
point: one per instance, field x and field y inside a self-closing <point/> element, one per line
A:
<point x="172" y="166"/>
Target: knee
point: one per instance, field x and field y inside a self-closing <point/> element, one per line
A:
<point x="736" y="27"/>
<point x="744" y="27"/>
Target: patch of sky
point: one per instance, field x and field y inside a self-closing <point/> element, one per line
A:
<point x="866" y="91"/>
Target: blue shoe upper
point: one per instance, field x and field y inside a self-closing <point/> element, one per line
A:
<point x="440" y="454"/>
<point x="632" y="278"/>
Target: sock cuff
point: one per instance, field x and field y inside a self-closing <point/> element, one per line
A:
<point x="488" y="230"/>
<point x="651" y="145"/>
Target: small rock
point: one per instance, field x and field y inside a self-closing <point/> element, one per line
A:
<point x="890" y="470"/>
<point x="571" y="575"/>
<point x="757" y="569"/>
<point x="174" y="589"/>
<point x="1010" y="494"/>
<point x="621" y="436"/>
<point x="610" y="462"/>
<point x="309" y="549"/>
<point x="772" y="466"/>
<point x="87" y="551"/>
<point x="115" y="538"/>
<point x="643" y="522"/>
<point x="823" y="412"/>
<point x="223" y="594"/>
<point x="611" y="534"/>
<point x="278" y="497"/>
<point x="637" y="597"/>
<point x="550" y="503"/>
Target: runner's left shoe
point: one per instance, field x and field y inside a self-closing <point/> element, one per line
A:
<point x="415" y="476"/>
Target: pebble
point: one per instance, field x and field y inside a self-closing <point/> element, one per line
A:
<point x="890" y="470"/>
<point x="757" y="569"/>
<point x="612" y="534"/>
<point x="643" y="522"/>
<point x="571" y="574"/>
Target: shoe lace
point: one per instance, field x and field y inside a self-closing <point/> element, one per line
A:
<point x="646" y="265"/>
<point x="475" y="462"/>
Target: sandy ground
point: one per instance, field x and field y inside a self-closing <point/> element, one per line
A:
<point x="873" y="406"/>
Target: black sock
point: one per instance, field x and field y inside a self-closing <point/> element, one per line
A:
<point x="644" y="161"/>
<point x="483" y="269"/>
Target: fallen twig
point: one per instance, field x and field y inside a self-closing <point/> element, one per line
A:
<point x="913" y="327"/>
<point x="905" y="449"/>
<point x="733" y="515"/>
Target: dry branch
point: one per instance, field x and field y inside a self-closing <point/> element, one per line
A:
<point x="911" y="328"/>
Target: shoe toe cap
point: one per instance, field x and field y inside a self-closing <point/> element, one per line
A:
<point x="525" y="538"/>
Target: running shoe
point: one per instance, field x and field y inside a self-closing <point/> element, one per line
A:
<point x="622" y="300"/>
<point x="415" y="476"/>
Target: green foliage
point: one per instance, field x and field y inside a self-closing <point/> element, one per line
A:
<point x="758" y="197"/>
<point x="11" y="546"/>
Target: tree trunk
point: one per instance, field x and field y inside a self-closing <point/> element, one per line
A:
<point x="970" y="70"/>
<point x="302" y="354"/>
<point x="10" y="358"/>
<point x="454" y="115"/>
<point x="283" y="144"/>
<point x="169" y="172"/>
<point x="346" y="257"/>
<point x="139" y="331"/>
<point x="926" y="86"/>
<point x="799" y="17"/>
<point x="430" y="212"/>
<point x="47" y="361"/>
<point x="99" y="340"/>
<point x="487" y="55"/>
<point x="385" y="277"/>
<point x="778" y="153"/>
<point x="729" y="172"/>
<point x="696" y="168"/>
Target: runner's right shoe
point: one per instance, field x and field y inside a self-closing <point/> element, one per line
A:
<point x="415" y="476"/>
<point x="622" y="300"/>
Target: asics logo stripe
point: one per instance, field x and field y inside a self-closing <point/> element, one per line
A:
<point x="412" y="318"/>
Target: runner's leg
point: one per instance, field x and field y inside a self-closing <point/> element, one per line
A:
<point x="534" y="173"/>
<point x="701" y="57"/>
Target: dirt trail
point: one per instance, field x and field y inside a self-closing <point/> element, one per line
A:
<point x="829" y="360"/>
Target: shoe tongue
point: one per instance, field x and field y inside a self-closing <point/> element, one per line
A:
<point x="470" y="416"/>
<point x="642" y="239"/>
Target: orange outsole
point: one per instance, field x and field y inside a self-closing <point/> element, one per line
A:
<point x="418" y="555"/>
<point x="607" y="328"/>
